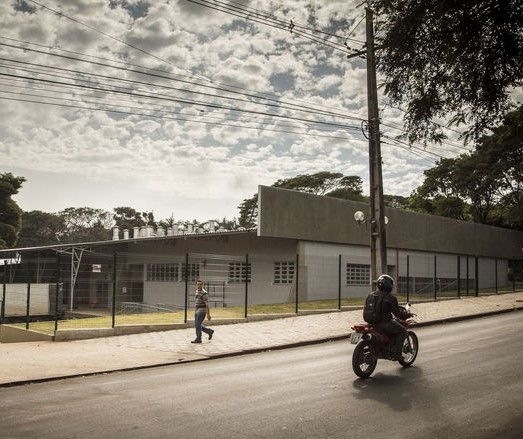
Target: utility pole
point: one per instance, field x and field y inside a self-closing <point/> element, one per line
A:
<point x="378" y="239"/>
<point x="378" y="234"/>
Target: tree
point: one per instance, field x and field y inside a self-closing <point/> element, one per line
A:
<point x="167" y="222"/>
<point x="40" y="228"/>
<point x="485" y="186"/>
<point x="127" y="218"/>
<point x="331" y="184"/>
<point x="320" y="183"/>
<point x="503" y="156"/>
<point x="396" y="201"/>
<point x="85" y="224"/>
<point x="10" y="212"/>
<point x="449" y="183"/>
<point x="248" y="212"/>
<point x="227" y="224"/>
<point x="456" y="60"/>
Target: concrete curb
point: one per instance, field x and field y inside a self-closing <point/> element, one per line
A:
<point x="252" y="351"/>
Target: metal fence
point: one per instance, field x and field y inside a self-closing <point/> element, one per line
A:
<point x="66" y="291"/>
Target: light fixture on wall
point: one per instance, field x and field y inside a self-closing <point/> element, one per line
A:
<point x="359" y="217"/>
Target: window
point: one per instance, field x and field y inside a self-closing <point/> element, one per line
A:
<point x="162" y="272"/>
<point x="283" y="272"/>
<point x="358" y="274"/>
<point x="193" y="270"/>
<point x="237" y="272"/>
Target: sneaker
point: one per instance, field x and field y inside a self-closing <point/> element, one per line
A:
<point x="211" y="334"/>
<point x="196" y="341"/>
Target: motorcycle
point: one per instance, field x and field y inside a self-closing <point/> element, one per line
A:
<point x="373" y="344"/>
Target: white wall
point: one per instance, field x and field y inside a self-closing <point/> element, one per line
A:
<point x="16" y="299"/>
<point x="319" y="274"/>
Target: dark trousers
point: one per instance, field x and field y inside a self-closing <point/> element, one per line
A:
<point x="398" y="333"/>
<point x="198" y="323"/>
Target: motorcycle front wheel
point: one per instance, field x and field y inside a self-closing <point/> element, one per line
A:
<point x="364" y="361"/>
<point x="409" y="351"/>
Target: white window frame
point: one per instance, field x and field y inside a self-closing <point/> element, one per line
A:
<point x="358" y="274"/>
<point x="162" y="272"/>
<point x="194" y="271"/>
<point x="284" y="272"/>
<point x="237" y="272"/>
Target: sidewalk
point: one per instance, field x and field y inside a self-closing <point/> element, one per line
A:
<point x="22" y="363"/>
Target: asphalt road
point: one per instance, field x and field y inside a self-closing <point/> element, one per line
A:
<point x="466" y="383"/>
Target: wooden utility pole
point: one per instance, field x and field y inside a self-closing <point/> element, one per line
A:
<point x="378" y="239"/>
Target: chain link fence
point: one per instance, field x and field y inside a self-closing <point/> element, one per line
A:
<point x="80" y="289"/>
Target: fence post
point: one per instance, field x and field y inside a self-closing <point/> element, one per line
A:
<point x="514" y="274"/>
<point x="476" y="268"/>
<point x="186" y="287"/>
<point x="408" y="278"/>
<point x="113" y="310"/>
<point x="28" y="304"/>
<point x="468" y="275"/>
<point x="4" y="289"/>
<point x="496" y="273"/>
<point x="57" y="292"/>
<point x="297" y="279"/>
<point x="246" y="284"/>
<point x="458" y="269"/>
<point x="339" y="282"/>
<point x="435" y="278"/>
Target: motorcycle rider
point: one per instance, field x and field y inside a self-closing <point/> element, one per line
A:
<point x="390" y="307"/>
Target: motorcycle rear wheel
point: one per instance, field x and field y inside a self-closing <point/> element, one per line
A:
<point x="409" y="352"/>
<point x="364" y="360"/>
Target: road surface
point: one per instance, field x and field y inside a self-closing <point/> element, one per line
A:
<point x="467" y="382"/>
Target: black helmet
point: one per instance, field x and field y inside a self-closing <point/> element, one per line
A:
<point x="385" y="283"/>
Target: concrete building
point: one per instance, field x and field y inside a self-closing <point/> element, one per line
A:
<point x="305" y="248"/>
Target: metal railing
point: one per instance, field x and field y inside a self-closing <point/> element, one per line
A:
<point x="51" y="293"/>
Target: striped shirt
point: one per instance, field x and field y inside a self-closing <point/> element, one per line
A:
<point x="200" y="301"/>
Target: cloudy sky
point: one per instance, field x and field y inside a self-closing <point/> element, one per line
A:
<point x="184" y="107"/>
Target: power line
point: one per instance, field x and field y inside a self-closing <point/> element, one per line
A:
<point x="257" y="17"/>
<point x="277" y="103"/>
<point x="150" y="115"/>
<point x="107" y="89"/>
<point x="250" y="96"/>
<point x="281" y="24"/>
<point x="417" y="149"/>
<point x="81" y="23"/>
<point x="313" y="30"/>
<point x="455" y="131"/>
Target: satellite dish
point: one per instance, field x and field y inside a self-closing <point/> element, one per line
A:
<point x="359" y="216"/>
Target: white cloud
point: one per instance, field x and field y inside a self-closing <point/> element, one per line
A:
<point x="200" y="158"/>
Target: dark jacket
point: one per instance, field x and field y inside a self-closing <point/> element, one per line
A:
<point x="390" y="306"/>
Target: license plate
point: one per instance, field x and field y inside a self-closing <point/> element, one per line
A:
<point x="355" y="337"/>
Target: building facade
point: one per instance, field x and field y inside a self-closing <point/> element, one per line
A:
<point x="305" y="248"/>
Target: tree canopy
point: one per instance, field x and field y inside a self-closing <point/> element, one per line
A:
<point x="83" y="224"/>
<point x="455" y="59"/>
<point x="40" y="228"/>
<point x="128" y="218"/>
<point x="331" y="184"/>
<point x="485" y="186"/>
<point x="10" y="212"/>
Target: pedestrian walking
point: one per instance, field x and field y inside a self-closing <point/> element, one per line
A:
<point x="201" y="305"/>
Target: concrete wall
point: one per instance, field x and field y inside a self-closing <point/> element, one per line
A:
<point x="213" y="254"/>
<point x="16" y="300"/>
<point x="15" y="334"/>
<point x="297" y="215"/>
